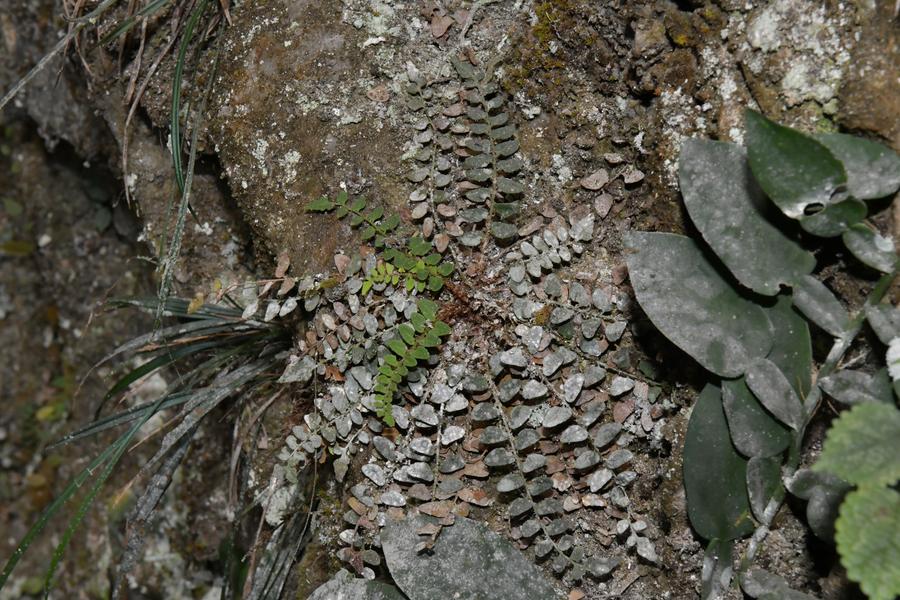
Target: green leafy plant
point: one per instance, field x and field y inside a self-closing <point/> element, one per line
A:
<point x="222" y="354"/>
<point x="413" y="261"/>
<point x="737" y="312"/>
<point x="416" y="341"/>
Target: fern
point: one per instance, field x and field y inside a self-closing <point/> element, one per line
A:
<point x="416" y="341"/>
<point x="416" y="264"/>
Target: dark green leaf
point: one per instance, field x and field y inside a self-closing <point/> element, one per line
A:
<point x="479" y="175"/>
<point x="467" y="561"/>
<point x="692" y="305"/>
<point x="509" y="187"/>
<point x="855" y="387"/>
<point x="358" y="205"/>
<point x="428" y="308"/>
<point x="344" y="585"/>
<point x="321" y="205"/>
<point x="763" y="481"/>
<point x="820" y="306"/>
<point x="884" y="320"/>
<point x="726" y="205"/>
<point x="873" y="170"/>
<point x="768" y="586"/>
<point x="510" y="165"/>
<point x="418" y="322"/>
<point x="478" y="196"/>
<point x="792" y="346"/>
<point x="397" y="346"/>
<point x="772" y="388"/>
<point x="754" y="431"/>
<point x="435" y="283"/>
<point x="374" y="214"/>
<point x="407" y="333"/>
<point x="871" y="248"/>
<point x="420" y="353"/>
<point x="824" y="492"/>
<point x="478" y="161"/>
<point x="835" y="219"/>
<point x="715" y="475"/>
<point x="866" y="535"/>
<point x="341" y="198"/>
<point x="505" y="149"/>
<point x="367" y="233"/>
<point x="861" y="446"/>
<point x="794" y="170"/>
<point x="440" y="328"/>
<point x="445" y="269"/>
<point x="418" y="246"/>
<point x="410" y="360"/>
<point x="430" y="340"/>
<point x="391" y="222"/>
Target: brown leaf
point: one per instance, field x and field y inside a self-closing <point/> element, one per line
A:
<point x="475" y="496"/>
<point x="440" y="25"/>
<point x="430" y="529"/>
<point x="595" y="180"/>
<point x="333" y="373"/>
<point x="379" y="93"/>
<point x="284" y="261"/>
<point x="436" y="509"/>
<point x="622" y="409"/>
<point x="476" y="469"/>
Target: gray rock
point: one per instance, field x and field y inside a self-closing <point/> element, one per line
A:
<point x="593" y="375"/>
<point x="519" y="507"/>
<point x="614" y="332"/>
<point x="421" y="445"/>
<point x="560" y="315"/>
<point x="646" y="550"/>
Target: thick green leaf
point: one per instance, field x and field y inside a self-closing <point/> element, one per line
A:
<point x="763" y="481"/>
<point x="714" y="473"/>
<point x="794" y="170"/>
<point x="772" y="388"/>
<point x="440" y="328"/>
<point x="718" y="566"/>
<point x="344" y="586"/>
<point x="428" y="308"/>
<point x="871" y="248"/>
<point x="820" y="306"/>
<point x="407" y="333"/>
<point x="868" y="540"/>
<point x="320" y="205"/>
<point x="835" y="219"/>
<point x="418" y="246"/>
<point x="768" y="586"/>
<point x="792" y="346"/>
<point x="467" y="561"/>
<point x="873" y="170"/>
<point x="726" y="205"/>
<point x="824" y="493"/>
<point x="885" y="321"/>
<point x="855" y="387"/>
<point x="397" y="346"/>
<point x="754" y="431"/>
<point x="861" y="446"/>
<point x="691" y="304"/>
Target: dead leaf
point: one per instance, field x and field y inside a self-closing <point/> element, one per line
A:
<point x="475" y="496"/>
<point x="440" y="25"/>
<point x="436" y="509"/>
<point x="476" y="469"/>
<point x="284" y="261"/>
<point x="379" y="93"/>
<point x="333" y="373"/>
